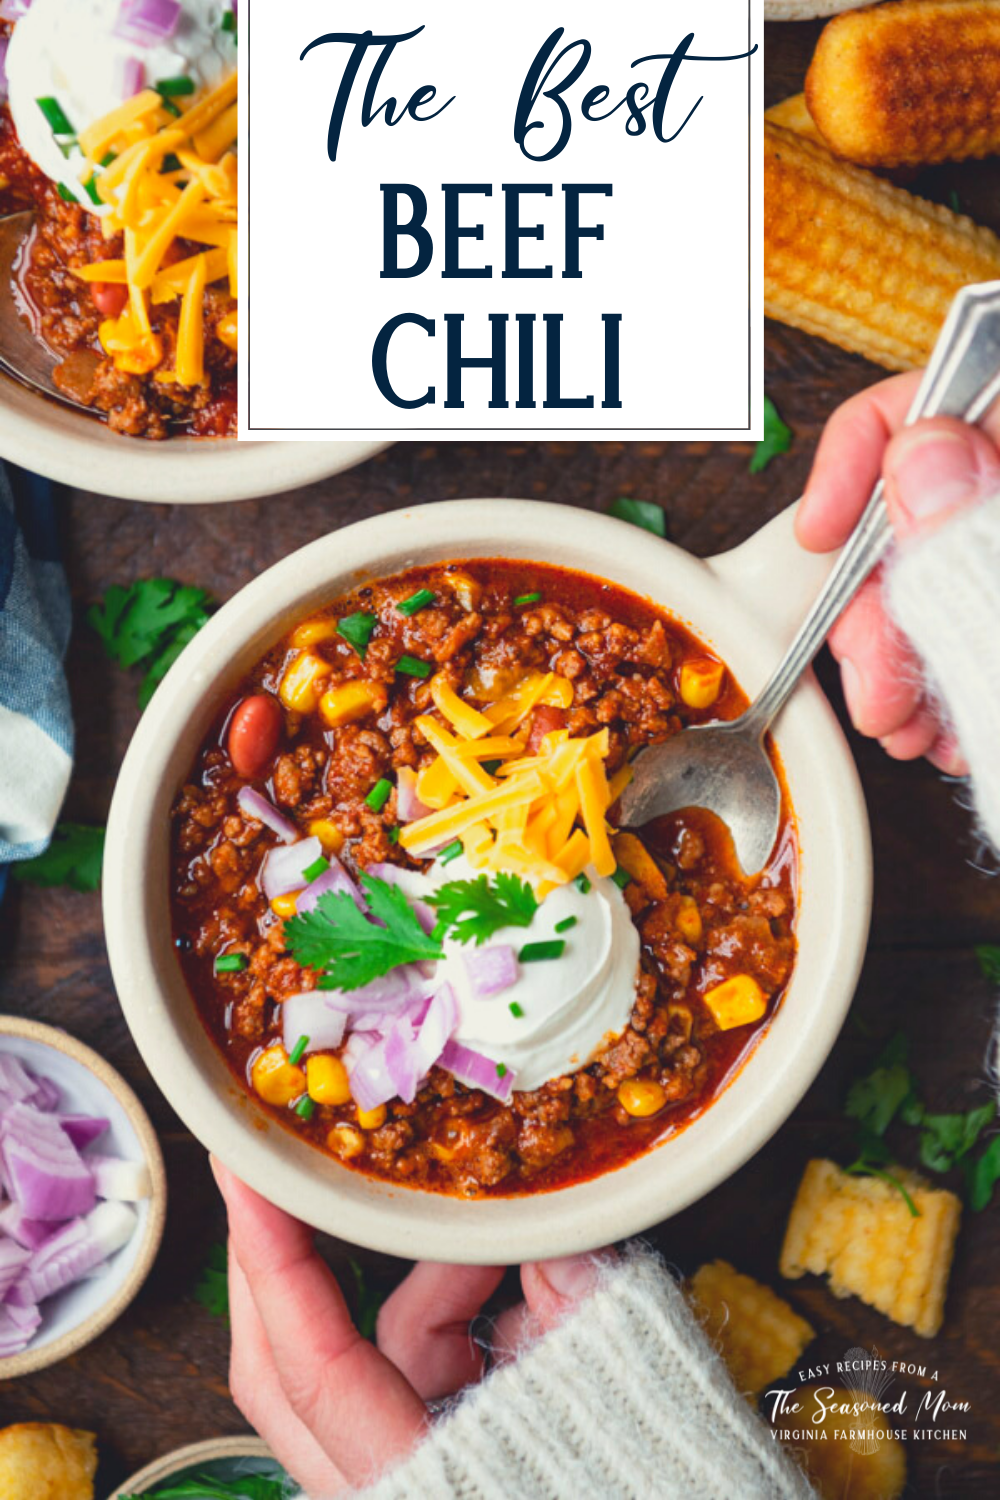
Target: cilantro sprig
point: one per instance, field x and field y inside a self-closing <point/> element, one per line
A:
<point x="73" y="858"/>
<point x="337" y="938"/>
<point x="642" y="513"/>
<point x="473" y="910"/>
<point x="777" y="438"/>
<point x="212" y="1290"/>
<point x="148" y="625"/>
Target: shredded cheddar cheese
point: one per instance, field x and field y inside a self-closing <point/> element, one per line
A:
<point x="541" y="816"/>
<point x="165" y="180"/>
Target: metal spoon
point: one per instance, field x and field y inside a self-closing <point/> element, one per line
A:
<point x="22" y="353"/>
<point x="725" y="767"/>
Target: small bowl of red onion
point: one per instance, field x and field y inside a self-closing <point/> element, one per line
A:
<point x="82" y="1195"/>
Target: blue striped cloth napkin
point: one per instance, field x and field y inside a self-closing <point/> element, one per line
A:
<point x="36" y="726"/>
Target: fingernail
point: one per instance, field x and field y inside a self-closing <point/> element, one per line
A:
<point x="573" y="1277"/>
<point x="932" y="471"/>
<point x="854" y="690"/>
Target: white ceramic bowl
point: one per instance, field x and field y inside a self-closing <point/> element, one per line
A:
<point x="225" y="1457"/>
<point x="75" y="449"/>
<point x="90" y="1086"/>
<point x="744" y="604"/>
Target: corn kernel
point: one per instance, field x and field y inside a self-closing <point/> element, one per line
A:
<point x="350" y="701"/>
<point x="701" y="679"/>
<point x="326" y="1079"/>
<point x="371" y="1119"/>
<point x="689" y="923"/>
<point x="558" y="694"/>
<point x="275" y="1079"/>
<point x="298" y="685"/>
<point x="311" y="631"/>
<point x="346" y="1141"/>
<point x="228" y="329"/>
<point x="736" y="1002"/>
<point x="285" y="906"/>
<point x="328" y="834"/>
<point x="641" y="1097"/>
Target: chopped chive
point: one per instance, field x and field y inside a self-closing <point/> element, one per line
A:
<point x="108" y="158"/>
<point x="491" y="767"/>
<point x="533" y="953"/>
<point x="565" y="924"/>
<point x="515" y="1009"/>
<point x="412" y="666"/>
<point x="230" y="963"/>
<point x="417" y="601"/>
<point x="526" y="599"/>
<point x="229" y="21"/>
<point x="67" y="145"/>
<point x="174" y="87"/>
<point x="295" y="1056"/>
<point x="169" y="106"/>
<point x="171" y="163"/>
<point x="393" y="834"/>
<point x="379" y="794"/>
<point x="305" y="1108"/>
<point x="501" y="1070"/>
<point x="357" y="631"/>
<point x="621" y="878"/>
<point x="582" y="884"/>
<point x="55" y="115"/>
<point x="65" y="194"/>
<point x="450" y="851"/>
<point x="90" y="187"/>
<point x="316" y="869"/>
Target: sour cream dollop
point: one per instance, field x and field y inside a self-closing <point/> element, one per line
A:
<point x="67" y="50"/>
<point x="572" y="1005"/>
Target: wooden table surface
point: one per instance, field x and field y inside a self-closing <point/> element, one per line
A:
<point x="158" y="1378"/>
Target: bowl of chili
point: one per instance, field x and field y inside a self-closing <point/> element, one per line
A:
<point x="276" y="730"/>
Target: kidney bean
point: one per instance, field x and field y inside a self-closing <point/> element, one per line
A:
<point x="109" y="298"/>
<point x="544" y="721"/>
<point x="254" y="732"/>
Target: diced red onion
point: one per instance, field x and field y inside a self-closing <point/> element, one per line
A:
<point x="20" y="1086"/>
<point x="13" y="1259"/>
<point x="4" y="44"/>
<point x="371" y="1081"/>
<point x="45" y="1173"/>
<point x="491" y="970"/>
<point x="147" y="22"/>
<point x="408" y="805"/>
<point x="311" y="1014"/>
<point x="436" y="1027"/>
<point x="357" y="1045"/>
<point x="27" y="1232"/>
<point x="13" y="10"/>
<point x="476" y="1071"/>
<point x="18" y="1327"/>
<point x="387" y="995"/>
<point x="413" y="885"/>
<point x="119" y="1180"/>
<point x="401" y="1059"/>
<point x="76" y="1249"/>
<point x="130" y="76"/>
<point x="285" y="868"/>
<point x="329" y="883"/>
<point x="254" y="805"/>
<point x="83" y="1130"/>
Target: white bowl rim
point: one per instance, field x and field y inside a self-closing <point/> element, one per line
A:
<point x="834" y="909"/>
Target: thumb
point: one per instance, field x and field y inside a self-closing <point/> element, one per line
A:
<point x="553" y="1287"/>
<point x="934" y="469"/>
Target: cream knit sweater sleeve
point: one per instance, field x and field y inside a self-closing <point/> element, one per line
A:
<point x="624" y="1400"/>
<point x="944" y="592"/>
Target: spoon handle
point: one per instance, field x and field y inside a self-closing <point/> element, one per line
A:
<point x="962" y="379"/>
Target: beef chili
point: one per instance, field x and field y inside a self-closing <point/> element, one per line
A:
<point x="323" y="739"/>
<point x="151" y="348"/>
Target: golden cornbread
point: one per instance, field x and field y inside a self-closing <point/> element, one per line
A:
<point x="793" y="114"/>
<point x="910" y="82"/>
<point x="853" y="259"/>
<point x="758" y="1335"/>
<point x="43" y="1461"/>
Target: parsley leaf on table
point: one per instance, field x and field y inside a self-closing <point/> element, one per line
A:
<point x="369" y="1301"/>
<point x="338" y="939"/>
<point x="473" y="910"/>
<point x="988" y="956"/>
<point x="982" y="1175"/>
<point x="777" y="438"/>
<point x="873" y="1101"/>
<point x="212" y="1290"/>
<point x="946" y="1139"/>
<point x="73" y="858"/>
<point x="640" y="513"/>
<point x="149" y="624"/>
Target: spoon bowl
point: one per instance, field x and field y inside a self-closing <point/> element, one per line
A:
<point x="22" y="353"/>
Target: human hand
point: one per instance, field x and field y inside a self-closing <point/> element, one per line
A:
<point x="335" y="1409"/>
<point x="931" y="470"/>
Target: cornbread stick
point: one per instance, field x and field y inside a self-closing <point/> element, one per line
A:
<point x="793" y="114"/>
<point x="858" y="261"/>
<point x="759" y="1336"/>
<point x="43" y="1461"/>
<point x="805" y="10"/>
<point x="849" y="1454"/>
<point x="910" y="82"/>
<point x="859" y="1231"/>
